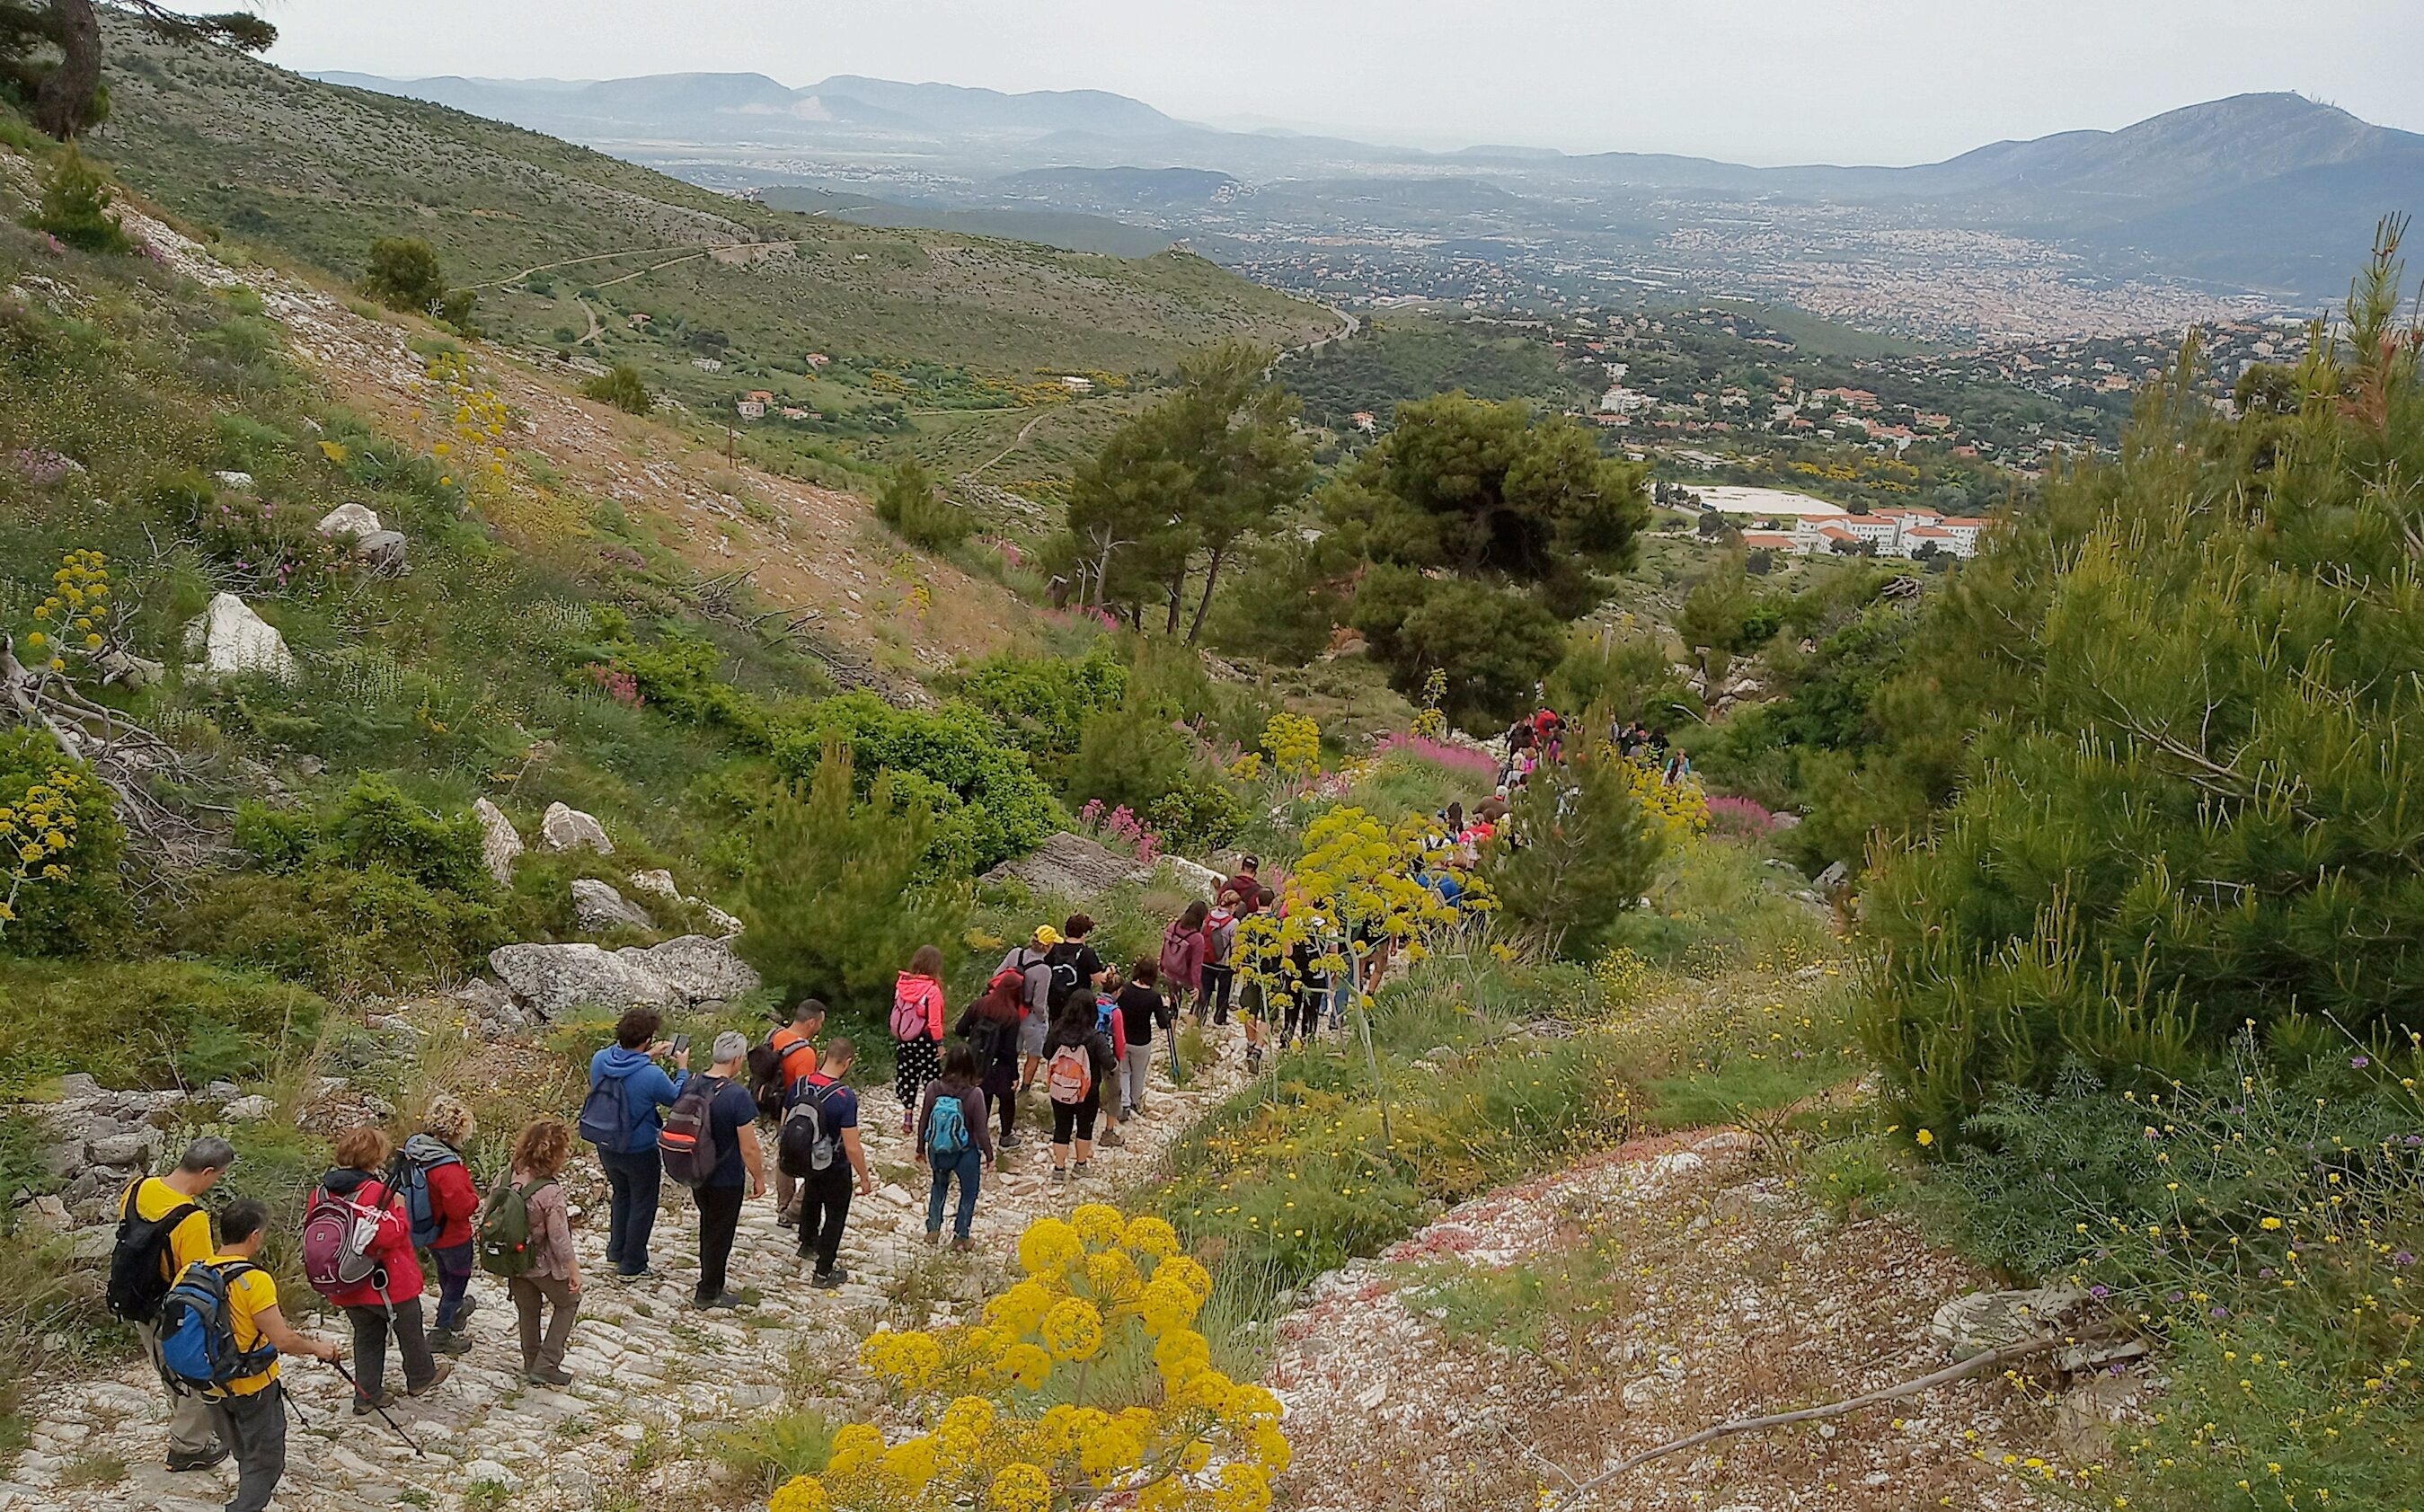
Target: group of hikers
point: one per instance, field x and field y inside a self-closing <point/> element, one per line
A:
<point x="1539" y="739"/>
<point x="210" y="1316"/>
<point x="1053" y="1013"/>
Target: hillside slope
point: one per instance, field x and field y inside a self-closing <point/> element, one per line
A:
<point x="317" y="171"/>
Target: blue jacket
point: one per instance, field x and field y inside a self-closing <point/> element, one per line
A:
<point x="646" y="1089"/>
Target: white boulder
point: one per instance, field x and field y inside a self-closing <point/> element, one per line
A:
<point x="701" y="969"/>
<point x="658" y="882"/>
<point x="356" y="520"/>
<point x="597" y="906"/>
<point x="564" y="827"/>
<point x="552" y="979"/>
<point x="384" y="551"/>
<point x="251" y="1109"/>
<point x="229" y="638"/>
<point x="500" y="842"/>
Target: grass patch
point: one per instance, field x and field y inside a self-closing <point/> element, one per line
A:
<point x="774" y="1449"/>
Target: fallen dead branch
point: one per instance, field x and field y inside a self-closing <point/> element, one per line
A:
<point x="1974" y="1365"/>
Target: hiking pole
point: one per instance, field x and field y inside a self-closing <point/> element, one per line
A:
<point x="366" y="1396"/>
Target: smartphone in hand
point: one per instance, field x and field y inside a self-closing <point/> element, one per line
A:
<point x="678" y="1044"/>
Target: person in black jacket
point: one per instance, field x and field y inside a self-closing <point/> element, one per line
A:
<point x="991" y="1029"/>
<point x="1073" y="1109"/>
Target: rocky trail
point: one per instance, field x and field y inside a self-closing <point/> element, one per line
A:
<point x="655" y="1382"/>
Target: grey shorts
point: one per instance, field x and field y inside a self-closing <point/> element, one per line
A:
<point x="1032" y="1033"/>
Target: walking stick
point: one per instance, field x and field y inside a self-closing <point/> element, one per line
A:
<point x="375" y="1408"/>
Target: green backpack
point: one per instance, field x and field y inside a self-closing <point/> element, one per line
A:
<point x="504" y="1238"/>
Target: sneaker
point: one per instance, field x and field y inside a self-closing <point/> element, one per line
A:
<point x="964" y="1245"/>
<point x="627" y="1277"/>
<point x="1009" y="1141"/>
<point x="1059" y="1174"/>
<point x="437" y="1378"/>
<point x="724" y="1303"/>
<point x="1078" y="1171"/>
<point x="549" y="1376"/>
<point x="788" y="1219"/>
<point x="365" y="1406"/>
<point x="449" y="1342"/>
<point x="826" y="1281"/>
<point x="203" y="1458"/>
<point x="935" y="1236"/>
<point x="1111" y="1140"/>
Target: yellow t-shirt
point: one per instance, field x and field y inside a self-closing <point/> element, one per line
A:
<point x="153" y="1199"/>
<point x="249" y="1293"/>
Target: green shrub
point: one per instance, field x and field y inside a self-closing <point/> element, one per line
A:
<point x="81" y="908"/>
<point x="1045" y="702"/>
<point x="403" y="275"/>
<point x="622" y="387"/>
<point x="985" y="802"/>
<point x="148" y="1023"/>
<point x="919" y="514"/>
<point x="1197" y="815"/>
<point x="74" y="205"/>
<point x="1583" y="850"/>
<point x="1130" y="756"/>
<point x="836" y="892"/>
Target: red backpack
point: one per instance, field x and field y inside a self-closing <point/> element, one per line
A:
<point x="688" y="1142"/>
<point x="339" y="1237"/>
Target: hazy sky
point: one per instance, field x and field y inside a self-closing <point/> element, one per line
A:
<point x="1758" y="81"/>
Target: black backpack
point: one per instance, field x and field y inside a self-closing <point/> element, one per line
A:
<point x="802" y="1144"/>
<point x="137" y="1266"/>
<point x="769" y="1075"/>
<point x="687" y="1146"/>
<point x="1062" y="961"/>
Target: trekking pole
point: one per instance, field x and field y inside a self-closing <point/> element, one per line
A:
<point x="301" y="1420"/>
<point x="340" y="1366"/>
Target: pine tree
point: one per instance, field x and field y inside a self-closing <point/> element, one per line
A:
<point x="1579" y="851"/>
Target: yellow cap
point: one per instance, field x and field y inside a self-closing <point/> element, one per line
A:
<point x="1047" y="934"/>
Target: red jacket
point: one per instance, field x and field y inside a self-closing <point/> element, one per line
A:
<point x="392" y="1248"/>
<point x="455" y="1201"/>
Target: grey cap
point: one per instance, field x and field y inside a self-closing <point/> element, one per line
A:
<point x="730" y="1046"/>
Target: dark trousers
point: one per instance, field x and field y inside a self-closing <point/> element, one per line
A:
<point x="1217" y="978"/>
<point x="372" y="1326"/>
<point x="1075" y="1118"/>
<point x="1002" y="1087"/>
<point x="253" y="1428"/>
<point x="530" y="1292"/>
<point x="719" y="1218"/>
<point x="1305" y="1014"/>
<point x="636" y="1177"/>
<point x="968" y="1167"/>
<point x="454" y="1280"/>
<point x="824" y="1208"/>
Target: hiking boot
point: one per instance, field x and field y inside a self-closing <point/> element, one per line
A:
<point x="365" y="1406"/>
<point x="203" y="1458"/>
<point x="437" y="1378"/>
<point x="724" y="1303"/>
<point x="628" y="1277"/>
<point x="549" y="1376"/>
<point x="1111" y="1140"/>
<point x="449" y="1342"/>
<point x="963" y="1245"/>
<point x="934" y="1236"/>
<point x="825" y="1280"/>
<point x="788" y="1219"/>
<point x="1010" y="1141"/>
<point x="464" y="1309"/>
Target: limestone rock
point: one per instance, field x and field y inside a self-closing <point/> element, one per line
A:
<point x="1072" y="865"/>
<point x="357" y="520"/>
<point x="229" y="638"/>
<point x="1194" y="877"/>
<point x="384" y="551"/>
<point x="550" y="978"/>
<point x="251" y="1109"/>
<point x="564" y="827"/>
<point x="1834" y="879"/>
<point x="701" y="969"/>
<point x="1989" y="1320"/>
<point x="124" y="1150"/>
<point x="500" y="842"/>
<point x="597" y="906"/>
<point x="240" y="482"/>
<point x="658" y="882"/>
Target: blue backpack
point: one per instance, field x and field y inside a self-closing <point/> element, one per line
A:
<point x="422" y="1154"/>
<point x="196" y="1322"/>
<point x="606" y="1114"/>
<point x="1104" y="1008"/>
<point x="946" y="1127"/>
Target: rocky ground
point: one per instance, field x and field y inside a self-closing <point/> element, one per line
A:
<point x="1527" y="1340"/>
<point x="654" y="1383"/>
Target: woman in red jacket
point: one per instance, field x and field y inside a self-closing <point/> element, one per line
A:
<point x="436" y="1156"/>
<point x="389" y="1301"/>
<point x="917" y="1025"/>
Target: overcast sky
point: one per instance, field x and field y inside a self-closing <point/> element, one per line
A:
<point x="1756" y="81"/>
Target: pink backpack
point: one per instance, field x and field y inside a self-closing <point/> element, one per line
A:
<point x="909" y="1011"/>
<point x="338" y="1235"/>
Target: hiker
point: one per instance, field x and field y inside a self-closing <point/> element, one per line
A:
<point x="1246" y="883"/>
<point x="1031" y="962"/>
<point x="826" y="1190"/>
<point x="358" y="1253"/>
<point x="1142" y="1011"/>
<point x="1074" y="962"/>
<point x="729" y="1168"/>
<point x="626" y="1089"/>
<point x="786" y="1060"/>
<point x="954" y="1141"/>
<point x="1112" y="1023"/>
<point x="1077" y="1056"/>
<point x="250" y="1410"/>
<point x="1182" y="959"/>
<point x="550" y="1272"/>
<point x="1220" y="944"/>
<point x="163" y="1228"/>
<point x="990" y="1026"/>
<point x="1308" y="990"/>
<point x="440" y="1203"/>
<point x="917" y="1023"/>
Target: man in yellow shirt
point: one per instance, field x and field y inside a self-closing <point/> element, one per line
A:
<point x="147" y="1203"/>
<point x="251" y="1418"/>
